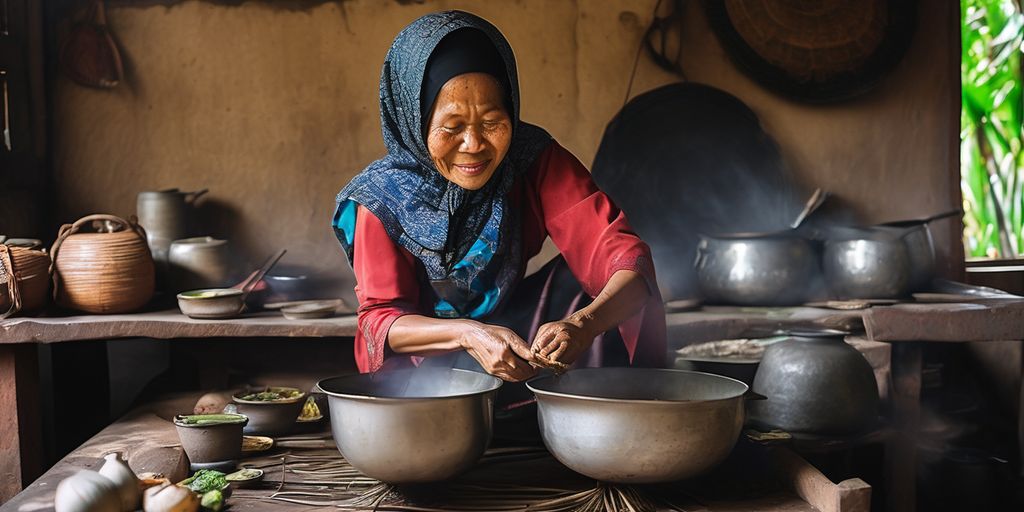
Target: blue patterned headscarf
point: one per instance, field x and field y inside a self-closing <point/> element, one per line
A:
<point x="468" y="241"/>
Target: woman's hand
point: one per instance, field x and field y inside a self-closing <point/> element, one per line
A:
<point x="500" y="351"/>
<point x="563" y="341"/>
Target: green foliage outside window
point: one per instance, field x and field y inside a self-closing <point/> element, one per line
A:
<point x="991" y="156"/>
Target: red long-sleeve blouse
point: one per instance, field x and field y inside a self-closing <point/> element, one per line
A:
<point x="556" y="198"/>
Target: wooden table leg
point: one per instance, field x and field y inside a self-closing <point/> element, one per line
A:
<point x="901" y="450"/>
<point x="1020" y="419"/>
<point x="21" y="455"/>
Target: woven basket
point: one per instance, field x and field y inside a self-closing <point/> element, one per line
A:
<point x="102" y="272"/>
<point x="26" y="292"/>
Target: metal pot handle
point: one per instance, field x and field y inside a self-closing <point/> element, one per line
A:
<point x="7" y="273"/>
<point x="701" y="255"/>
<point x="192" y="197"/>
<point x="751" y="396"/>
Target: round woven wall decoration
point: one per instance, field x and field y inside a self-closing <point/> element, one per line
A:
<point x="814" y="50"/>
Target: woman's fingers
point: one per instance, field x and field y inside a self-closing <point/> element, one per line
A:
<point x="520" y="349"/>
<point x="503" y="354"/>
<point x="515" y="370"/>
<point x="543" y="338"/>
<point x="560" y="338"/>
<point x="557" y="353"/>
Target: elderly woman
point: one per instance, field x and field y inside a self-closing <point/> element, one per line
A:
<point x="439" y="231"/>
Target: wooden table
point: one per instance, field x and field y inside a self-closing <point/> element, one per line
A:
<point x="908" y="327"/>
<point x="20" y="442"/>
<point x="772" y="479"/>
<point x="20" y="457"/>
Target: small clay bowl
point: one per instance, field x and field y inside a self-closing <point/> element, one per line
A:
<point x="211" y="443"/>
<point x="211" y="303"/>
<point x="269" y="418"/>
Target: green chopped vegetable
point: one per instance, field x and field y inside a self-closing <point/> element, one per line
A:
<point x="209" y="419"/>
<point x="271" y="394"/>
<point x="213" y="500"/>
<point x="205" y="480"/>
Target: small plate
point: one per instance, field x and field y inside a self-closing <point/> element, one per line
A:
<point x="290" y="303"/>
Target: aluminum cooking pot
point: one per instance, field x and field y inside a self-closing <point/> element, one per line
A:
<point x="773" y="269"/>
<point x="917" y="238"/>
<point x="639" y="425"/>
<point x="867" y="263"/>
<point x="412" y="425"/>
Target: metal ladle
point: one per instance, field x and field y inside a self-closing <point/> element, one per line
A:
<point x="813" y="203"/>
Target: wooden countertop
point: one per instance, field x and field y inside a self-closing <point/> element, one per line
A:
<point x="151" y="444"/>
<point x="169" y="324"/>
<point x="976" y="321"/>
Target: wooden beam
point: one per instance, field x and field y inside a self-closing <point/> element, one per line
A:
<point x="901" y="451"/>
<point x="21" y="457"/>
<point x="853" y="495"/>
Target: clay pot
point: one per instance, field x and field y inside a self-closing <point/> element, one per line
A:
<point x="816" y="383"/>
<point x="102" y="272"/>
<point x="201" y="262"/>
<point x="165" y="214"/>
<point x="273" y="418"/>
<point x="205" y="444"/>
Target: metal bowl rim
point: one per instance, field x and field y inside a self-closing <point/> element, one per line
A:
<point x="496" y="383"/>
<point x="529" y="384"/>
<point x="723" y="360"/>
<point x="221" y="293"/>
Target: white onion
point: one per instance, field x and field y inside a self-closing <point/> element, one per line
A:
<point x="169" y="498"/>
<point x="117" y="471"/>
<point x="86" y="491"/>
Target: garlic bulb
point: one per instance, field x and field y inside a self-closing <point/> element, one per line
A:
<point x="169" y="498"/>
<point x="116" y="470"/>
<point x="86" y="491"/>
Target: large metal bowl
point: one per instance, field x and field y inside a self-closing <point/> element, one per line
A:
<point x="412" y="426"/>
<point x="638" y="425"/>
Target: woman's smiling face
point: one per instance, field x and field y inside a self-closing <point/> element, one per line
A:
<point x="470" y="130"/>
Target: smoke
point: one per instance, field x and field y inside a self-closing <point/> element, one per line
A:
<point x="687" y="159"/>
<point x="423" y="382"/>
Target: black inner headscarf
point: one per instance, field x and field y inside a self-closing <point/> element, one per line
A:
<point x="467" y="50"/>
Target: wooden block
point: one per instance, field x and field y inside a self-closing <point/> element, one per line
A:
<point x="816" y="489"/>
<point x="854" y="495"/>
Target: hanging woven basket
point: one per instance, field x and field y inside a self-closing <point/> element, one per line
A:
<point x="815" y="51"/>
<point x="102" y="272"/>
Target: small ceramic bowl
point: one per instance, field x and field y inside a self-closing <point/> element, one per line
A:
<point x="213" y="442"/>
<point x="273" y="417"/>
<point x="211" y="303"/>
<point x="245" y="478"/>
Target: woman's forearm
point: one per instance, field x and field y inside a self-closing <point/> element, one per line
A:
<point x="622" y="297"/>
<point x="425" y="336"/>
